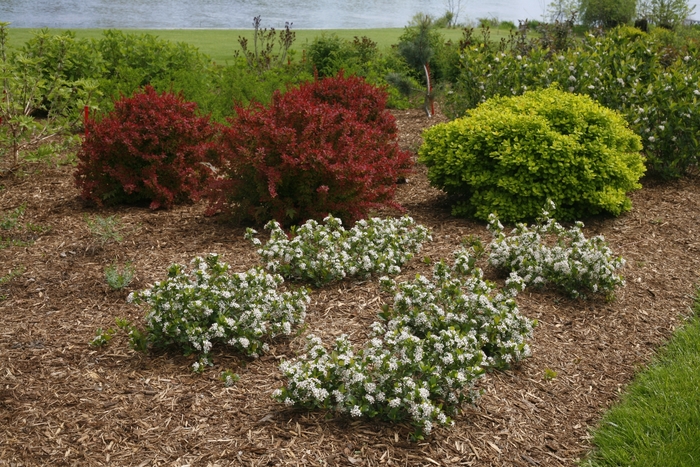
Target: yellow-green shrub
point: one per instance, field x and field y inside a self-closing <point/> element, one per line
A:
<point x="511" y="154"/>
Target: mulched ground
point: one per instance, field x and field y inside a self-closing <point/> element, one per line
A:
<point x="63" y="402"/>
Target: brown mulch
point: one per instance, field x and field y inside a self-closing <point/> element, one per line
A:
<point x="63" y="402"/>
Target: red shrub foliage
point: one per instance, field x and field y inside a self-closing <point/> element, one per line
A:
<point x="327" y="147"/>
<point x="151" y="147"/>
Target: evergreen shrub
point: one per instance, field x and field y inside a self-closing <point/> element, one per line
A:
<point x="512" y="154"/>
<point x="326" y="147"/>
<point x="151" y="147"/>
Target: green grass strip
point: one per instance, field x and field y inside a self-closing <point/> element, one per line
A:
<point x="657" y="423"/>
<point x="221" y="44"/>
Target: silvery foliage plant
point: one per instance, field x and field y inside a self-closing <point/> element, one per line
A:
<point x="576" y="264"/>
<point x="208" y="305"/>
<point x="324" y="253"/>
<point x="421" y="361"/>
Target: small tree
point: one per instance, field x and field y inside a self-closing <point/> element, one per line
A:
<point x="562" y="10"/>
<point x="417" y="49"/>
<point x="607" y="13"/>
<point x="28" y="93"/>
<point x="665" y="13"/>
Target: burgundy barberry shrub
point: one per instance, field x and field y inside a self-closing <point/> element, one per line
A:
<point x="152" y="147"/>
<point x="327" y="147"/>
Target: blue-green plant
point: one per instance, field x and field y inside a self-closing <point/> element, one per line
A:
<point x="105" y="229"/>
<point x="195" y="310"/>
<point x="547" y="253"/>
<point x="119" y="277"/>
<point x="324" y="253"/>
<point x="421" y="361"/>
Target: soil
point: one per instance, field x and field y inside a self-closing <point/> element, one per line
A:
<point x="63" y="402"/>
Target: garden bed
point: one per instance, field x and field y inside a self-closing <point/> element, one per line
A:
<point x="63" y="402"/>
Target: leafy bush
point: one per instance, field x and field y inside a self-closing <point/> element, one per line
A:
<point x="325" y="253"/>
<point x="37" y="81"/>
<point x="327" y="147"/>
<point x="198" y="309"/>
<point x="132" y="61"/>
<point x="437" y="339"/>
<point x="151" y="147"/>
<point x="650" y="78"/>
<point x="510" y="155"/>
<point x="573" y="263"/>
<point x="607" y="13"/>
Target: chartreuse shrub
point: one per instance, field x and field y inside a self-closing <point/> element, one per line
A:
<point x="151" y="147"/>
<point x="511" y="154"/>
<point x="326" y="147"/>
<point x="547" y="253"/>
<point x="323" y="253"/>
<point x="195" y="310"/>
<point x="434" y="341"/>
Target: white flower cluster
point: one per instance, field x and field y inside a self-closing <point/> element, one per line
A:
<point x="574" y="263"/>
<point x="438" y="338"/>
<point x="208" y="305"/>
<point x="324" y="253"/>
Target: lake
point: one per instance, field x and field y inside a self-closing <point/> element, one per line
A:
<point x="238" y="14"/>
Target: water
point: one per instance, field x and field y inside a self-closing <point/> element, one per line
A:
<point x="238" y="14"/>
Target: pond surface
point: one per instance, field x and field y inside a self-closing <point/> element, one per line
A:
<point x="238" y="14"/>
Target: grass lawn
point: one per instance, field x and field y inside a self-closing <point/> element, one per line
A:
<point x="657" y="423"/>
<point x="220" y="44"/>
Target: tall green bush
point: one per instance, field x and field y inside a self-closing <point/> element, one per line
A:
<point x="651" y="79"/>
<point x="607" y="13"/>
<point x="510" y="155"/>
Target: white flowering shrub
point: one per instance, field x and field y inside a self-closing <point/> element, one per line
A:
<point x="324" y="253"/>
<point x="206" y="306"/>
<point x="437" y="338"/>
<point x="576" y="264"/>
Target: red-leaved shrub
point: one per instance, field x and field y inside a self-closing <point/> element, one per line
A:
<point x="152" y="147"/>
<point x="327" y="147"/>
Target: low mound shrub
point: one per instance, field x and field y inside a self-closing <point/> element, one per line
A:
<point x="436" y="339"/>
<point x="512" y="154"/>
<point x="547" y="253"/>
<point x="324" y="253"/>
<point x="207" y="305"/>
<point x="326" y="147"/>
<point x="151" y="147"/>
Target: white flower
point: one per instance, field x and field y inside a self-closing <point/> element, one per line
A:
<point x="355" y="411"/>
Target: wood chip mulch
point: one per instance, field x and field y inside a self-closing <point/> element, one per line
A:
<point x="63" y="402"/>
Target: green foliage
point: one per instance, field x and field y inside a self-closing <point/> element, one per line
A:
<point x="118" y="278"/>
<point x="39" y="81"/>
<point x="102" y="337"/>
<point x="132" y="61"/>
<point x="607" y="13"/>
<point x="105" y="229"/>
<point x="328" y="54"/>
<point x="510" y="155"/>
<point x="651" y="79"/>
<point x="665" y="13"/>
